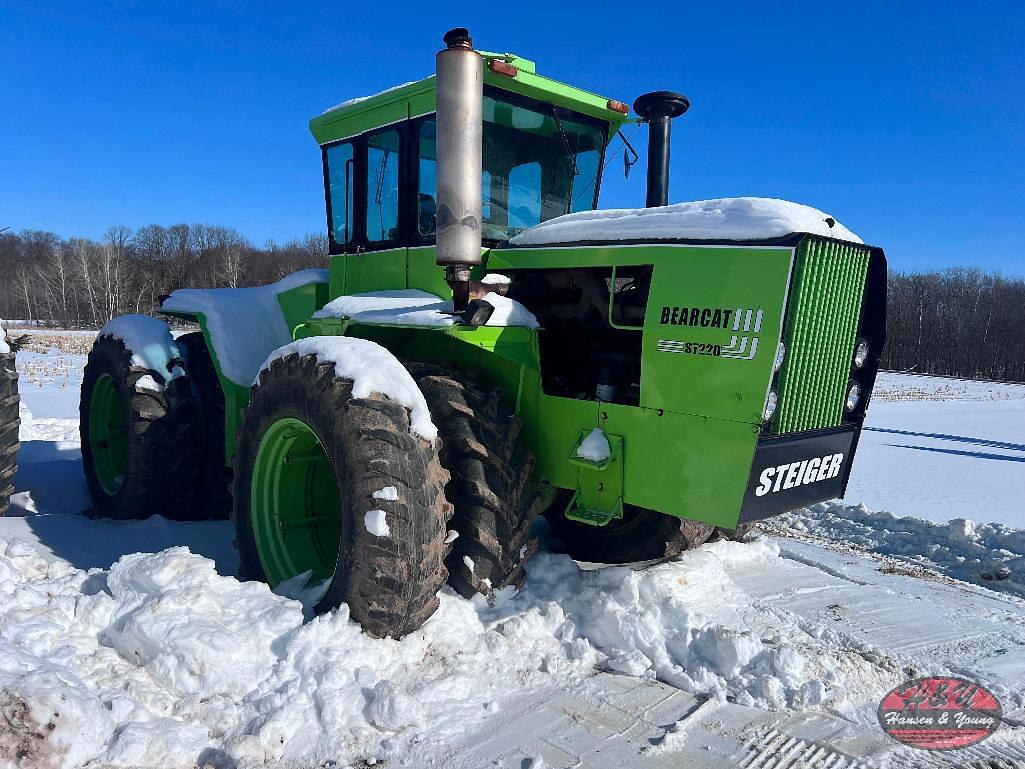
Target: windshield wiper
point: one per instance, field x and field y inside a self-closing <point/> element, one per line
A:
<point x="570" y="154"/>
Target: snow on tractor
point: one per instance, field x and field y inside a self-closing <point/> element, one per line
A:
<point x="9" y="419"/>
<point x="483" y="347"/>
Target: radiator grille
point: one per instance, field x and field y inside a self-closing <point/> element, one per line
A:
<point x="821" y="325"/>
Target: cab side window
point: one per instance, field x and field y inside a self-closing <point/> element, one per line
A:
<point x="382" y="212"/>
<point x="341" y="181"/>
<point x="426" y="203"/>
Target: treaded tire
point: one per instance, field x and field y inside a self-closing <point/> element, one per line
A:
<point x="640" y="535"/>
<point x="213" y="475"/>
<point x="162" y="454"/>
<point x="9" y="424"/>
<point x="389" y="583"/>
<point x="491" y="488"/>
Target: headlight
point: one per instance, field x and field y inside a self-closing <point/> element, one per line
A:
<point x="853" y="396"/>
<point x="770" y="405"/>
<point x="781" y="353"/>
<point x="860" y="353"/>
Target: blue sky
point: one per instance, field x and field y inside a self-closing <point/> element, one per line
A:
<point x="907" y="124"/>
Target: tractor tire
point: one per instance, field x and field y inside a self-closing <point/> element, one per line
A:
<point x="336" y="485"/>
<point x="640" y="535"/>
<point x="495" y="499"/>
<point x="9" y="424"/>
<point x="139" y="444"/>
<point x="214" y="476"/>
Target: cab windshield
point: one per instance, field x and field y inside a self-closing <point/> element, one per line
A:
<point x="539" y="162"/>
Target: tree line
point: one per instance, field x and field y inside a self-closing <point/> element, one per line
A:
<point x="957" y="322"/>
<point x="85" y="282"/>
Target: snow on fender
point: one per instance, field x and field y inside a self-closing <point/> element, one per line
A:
<point x="151" y="344"/>
<point x="372" y="369"/>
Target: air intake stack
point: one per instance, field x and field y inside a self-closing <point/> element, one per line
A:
<point x="460" y="92"/>
<point x="657" y="109"/>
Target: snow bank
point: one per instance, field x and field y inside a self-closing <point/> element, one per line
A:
<point x="159" y="660"/>
<point x="4" y="347"/>
<point x="989" y="554"/>
<point x="372" y="369"/>
<point x="244" y="323"/>
<point x="595" y="447"/>
<point x="720" y="219"/>
<point x="406" y="306"/>
<point x="150" y="342"/>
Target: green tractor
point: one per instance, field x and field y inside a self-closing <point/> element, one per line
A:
<point x="485" y="347"/>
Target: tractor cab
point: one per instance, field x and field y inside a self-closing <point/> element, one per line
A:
<point x="542" y="150"/>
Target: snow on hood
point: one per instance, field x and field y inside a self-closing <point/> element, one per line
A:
<point x="721" y="219"/>
<point x="412" y="307"/>
<point x="372" y="369"/>
<point x="244" y="323"/>
<point x="405" y="306"/>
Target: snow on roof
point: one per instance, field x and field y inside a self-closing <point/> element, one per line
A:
<point x="358" y="99"/>
<point x="720" y="219"/>
<point x="372" y="369"/>
<point x="403" y="306"/>
<point x="245" y="324"/>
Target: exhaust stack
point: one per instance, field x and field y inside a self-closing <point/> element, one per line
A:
<point x="657" y="109"/>
<point x="460" y="93"/>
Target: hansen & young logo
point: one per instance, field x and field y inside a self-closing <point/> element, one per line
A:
<point x="745" y="323"/>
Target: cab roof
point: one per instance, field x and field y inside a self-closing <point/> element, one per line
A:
<point x="416" y="98"/>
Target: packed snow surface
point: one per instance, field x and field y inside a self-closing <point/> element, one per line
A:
<point x="372" y="369"/>
<point x="245" y="324"/>
<point x="720" y="219"/>
<point x="942" y="449"/>
<point x="595" y="447"/>
<point x="151" y="344"/>
<point x="405" y="306"/>
<point x="158" y="659"/>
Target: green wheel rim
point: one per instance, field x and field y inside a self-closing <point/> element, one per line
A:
<point x="295" y="509"/>
<point x="108" y="435"/>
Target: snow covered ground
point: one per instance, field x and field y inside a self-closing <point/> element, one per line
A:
<point x="940" y="448"/>
<point x="131" y="644"/>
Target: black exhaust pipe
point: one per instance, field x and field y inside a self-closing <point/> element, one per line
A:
<point x="657" y="109"/>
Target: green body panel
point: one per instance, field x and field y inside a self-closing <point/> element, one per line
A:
<point x="418" y="98"/>
<point x="687" y="449"/>
<point x="824" y="308"/>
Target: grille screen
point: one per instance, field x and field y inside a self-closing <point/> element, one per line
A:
<point x="821" y="324"/>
